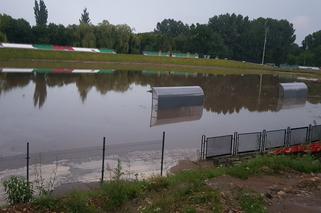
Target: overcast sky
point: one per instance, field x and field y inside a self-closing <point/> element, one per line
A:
<point x="142" y="15"/>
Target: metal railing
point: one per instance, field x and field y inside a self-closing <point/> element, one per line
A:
<point x="257" y="142"/>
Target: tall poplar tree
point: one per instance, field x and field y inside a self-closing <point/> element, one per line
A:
<point x="41" y="13"/>
<point x="84" y="17"/>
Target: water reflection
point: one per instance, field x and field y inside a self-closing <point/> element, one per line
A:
<point x="223" y="94"/>
<point x="40" y="93"/>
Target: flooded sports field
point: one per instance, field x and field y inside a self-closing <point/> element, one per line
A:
<point x="64" y="116"/>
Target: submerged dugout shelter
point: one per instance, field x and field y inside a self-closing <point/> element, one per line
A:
<point x="293" y="90"/>
<point x="176" y="104"/>
<point x="292" y="95"/>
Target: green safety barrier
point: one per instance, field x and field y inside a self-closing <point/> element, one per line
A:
<point x="43" y="46"/>
<point x="106" y="71"/>
<point x="42" y="70"/>
<point x="150" y="72"/>
<point x="185" y="55"/>
<point x="107" y="51"/>
<point x="152" y="53"/>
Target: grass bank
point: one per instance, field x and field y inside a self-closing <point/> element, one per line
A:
<point x="187" y="191"/>
<point x="10" y="54"/>
<point x="55" y="59"/>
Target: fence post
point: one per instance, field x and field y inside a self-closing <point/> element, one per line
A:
<point x="310" y="134"/>
<point x="28" y="158"/>
<point x="103" y="161"/>
<point x="202" y="147"/>
<point x="288" y="137"/>
<point x="162" y="160"/>
<point x="263" y="141"/>
<point x="201" y="152"/>
<point x="235" y="144"/>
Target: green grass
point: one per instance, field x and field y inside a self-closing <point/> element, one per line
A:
<point x="251" y="202"/>
<point x="184" y="192"/>
<point x="275" y="164"/>
<point x="23" y="58"/>
<point x="10" y="54"/>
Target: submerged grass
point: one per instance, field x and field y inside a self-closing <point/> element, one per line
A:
<point x="183" y="192"/>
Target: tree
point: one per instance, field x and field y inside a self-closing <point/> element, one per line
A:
<point x="3" y="37"/>
<point x="104" y="33"/>
<point x="41" y="13"/>
<point x="122" y="37"/>
<point x="232" y="28"/>
<point x="86" y="35"/>
<point x="84" y="17"/>
<point x="311" y="46"/>
<point x="206" y="42"/>
<point x="171" y="33"/>
<point x="15" y="30"/>
<point x="58" y="34"/>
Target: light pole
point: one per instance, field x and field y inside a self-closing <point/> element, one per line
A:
<point x="265" y="38"/>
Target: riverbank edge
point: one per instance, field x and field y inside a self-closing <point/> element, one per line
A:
<point x="184" y="189"/>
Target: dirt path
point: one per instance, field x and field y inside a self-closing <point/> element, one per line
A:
<point x="287" y="192"/>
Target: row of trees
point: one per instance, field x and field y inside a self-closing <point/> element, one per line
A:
<point x="231" y="36"/>
<point x="85" y="34"/>
<point x="225" y="36"/>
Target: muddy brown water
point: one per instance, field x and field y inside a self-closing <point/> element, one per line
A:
<point x="65" y="116"/>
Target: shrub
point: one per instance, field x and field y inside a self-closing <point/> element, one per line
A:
<point x="118" y="171"/>
<point x="17" y="190"/>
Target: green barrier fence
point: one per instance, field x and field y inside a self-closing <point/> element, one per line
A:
<point x="43" y="46"/>
<point x="107" y="51"/>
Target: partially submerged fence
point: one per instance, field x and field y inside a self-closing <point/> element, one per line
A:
<point x="88" y="164"/>
<point x="257" y="142"/>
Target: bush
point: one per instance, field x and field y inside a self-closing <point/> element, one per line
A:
<point x="17" y="190"/>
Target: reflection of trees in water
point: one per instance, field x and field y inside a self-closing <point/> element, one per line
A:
<point x="223" y="94"/>
<point x="12" y="81"/>
<point x="40" y="94"/>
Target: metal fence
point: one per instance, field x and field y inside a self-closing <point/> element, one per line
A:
<point x="138" y="160"/>
<point x="219" y="146"/>
<point x="257" y="142"/>
<point x="248" y="142"/>
<point x="315" y="133"/>
<point x="298" y="136"/>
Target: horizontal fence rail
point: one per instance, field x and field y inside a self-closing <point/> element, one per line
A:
<point x="257" y="142"/>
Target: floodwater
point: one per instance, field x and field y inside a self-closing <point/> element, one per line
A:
<point x="57" y="112"/>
